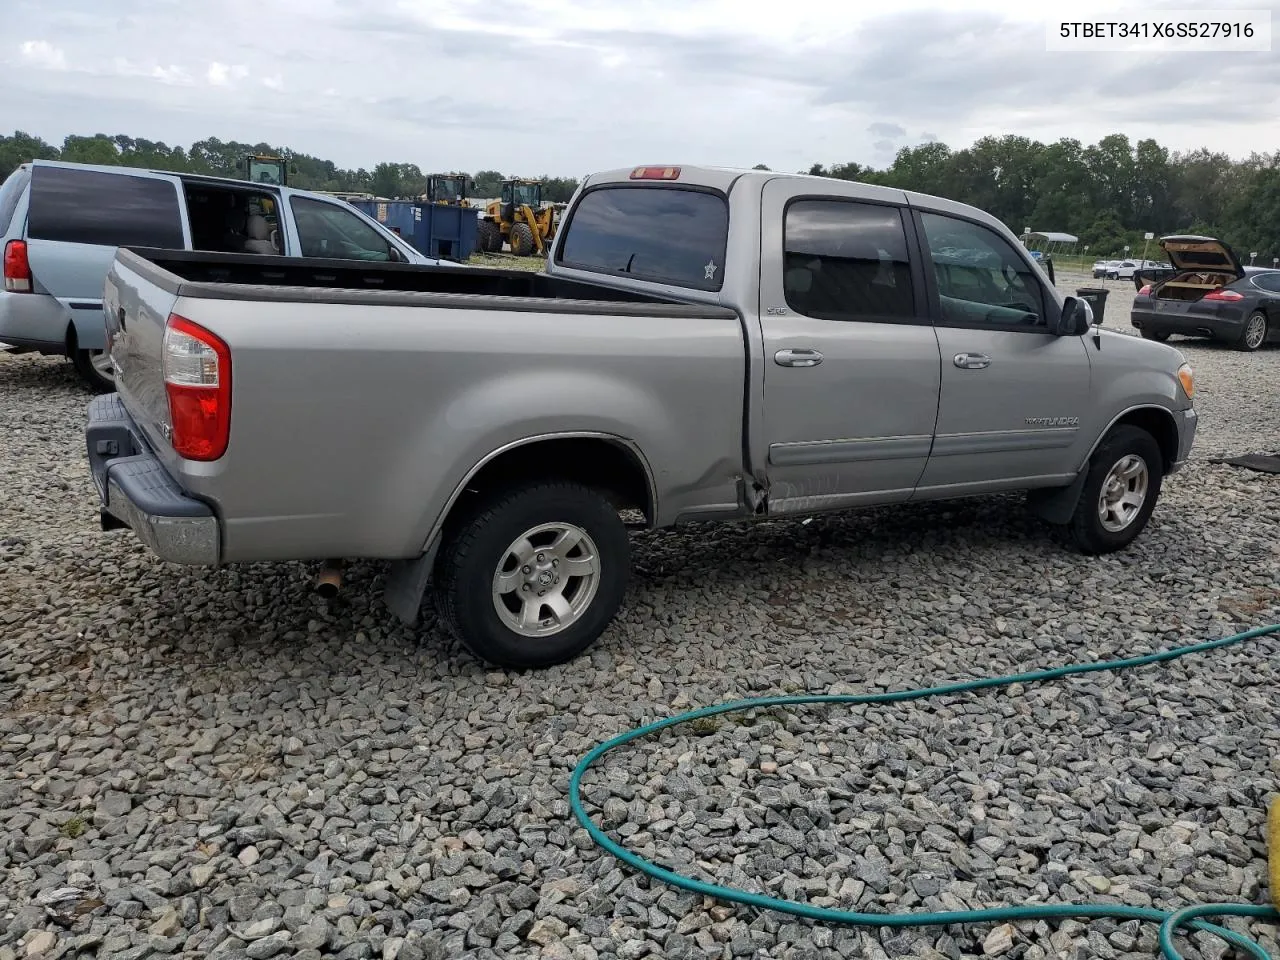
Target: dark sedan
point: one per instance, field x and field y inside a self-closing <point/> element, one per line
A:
<point x="1210" y="294"/>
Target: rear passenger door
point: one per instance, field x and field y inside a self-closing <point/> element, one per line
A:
<point x="76" y="218"/>
<point x="851" y="359"/>
<point x="1013" y="394"/>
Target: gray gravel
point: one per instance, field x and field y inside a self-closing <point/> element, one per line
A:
<point x="219" y="764"/>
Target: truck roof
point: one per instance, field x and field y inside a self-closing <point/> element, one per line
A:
<point x="724" y="179"/>
<point x="716" y="176"/>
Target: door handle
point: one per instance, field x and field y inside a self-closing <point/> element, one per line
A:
<point x="971" y="361"/>
<point x="797" y="358"/>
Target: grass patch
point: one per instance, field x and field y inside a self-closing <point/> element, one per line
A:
<point x="705" y="726"/>
<point x="73" y="828"/>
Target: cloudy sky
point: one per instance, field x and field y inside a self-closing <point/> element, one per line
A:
<point x="564" y="87"/>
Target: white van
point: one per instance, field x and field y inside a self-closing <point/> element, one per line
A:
<point x="62" y="222"/>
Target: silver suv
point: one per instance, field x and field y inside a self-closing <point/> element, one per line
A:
<point x="61" y="223"/>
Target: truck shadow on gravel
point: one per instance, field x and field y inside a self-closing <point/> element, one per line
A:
<point x="943" y="531"/>
<point x="278" y="619"/>
<point x="30" y="373"/>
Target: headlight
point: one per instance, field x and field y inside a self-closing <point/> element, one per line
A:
<point x="1187" y="377"/>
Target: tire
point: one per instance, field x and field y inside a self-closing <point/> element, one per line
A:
<point x="1127" y="448"/>
<point x="94" y="368"/>
<point x="521" y="239"/>
<point x="495" y="239"/>
<point x="1254" y="333"/>
<point x="485" y="231"/>
<point x="1160" y="337"/>
<point x="483" y="545"/>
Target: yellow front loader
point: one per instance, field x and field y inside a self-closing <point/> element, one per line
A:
<point x="519" y="219"/>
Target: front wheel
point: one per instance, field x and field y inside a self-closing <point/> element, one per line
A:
<point x="521" y="239"/>
<point x="532" y="577"/>
<point x="1120" y="491"/>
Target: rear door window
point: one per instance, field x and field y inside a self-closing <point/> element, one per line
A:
<point x="1268" y="281"/>
<point x="10" y="194"/>
<point x="665" y="235"/>
<point x="846" y="260"/>
<point x="111" y="209"/>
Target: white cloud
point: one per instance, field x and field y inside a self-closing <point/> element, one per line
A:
<point x="44" y="54"/>
<point x="221" y="75"/>
<point x="171" y="74"/>
<point x="275" y="82"/>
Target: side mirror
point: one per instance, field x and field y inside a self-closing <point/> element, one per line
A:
<point x="1076" y="318"/>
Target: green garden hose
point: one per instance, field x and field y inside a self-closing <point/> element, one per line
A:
<point x="1188" y="918"/>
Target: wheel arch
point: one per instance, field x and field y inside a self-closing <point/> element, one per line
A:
<point x="604" y="461"/>
<point x="1155" y="420"/>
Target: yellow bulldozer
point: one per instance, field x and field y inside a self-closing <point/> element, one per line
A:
<point x="449" y="189"/>
<point x="519" y="219"/>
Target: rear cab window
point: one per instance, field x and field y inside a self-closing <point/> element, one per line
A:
<point x="10" y="194"/>
<point x="662" y="234"/>
<point x="108" y="209"/>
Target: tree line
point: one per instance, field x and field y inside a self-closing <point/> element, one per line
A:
<point x="1108" y="194"/>
<point x="221" y="158"/>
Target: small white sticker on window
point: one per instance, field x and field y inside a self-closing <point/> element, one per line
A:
<point x="709" y="271"/>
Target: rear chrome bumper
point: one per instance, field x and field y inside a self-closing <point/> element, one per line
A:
<point x="137" y="492"/>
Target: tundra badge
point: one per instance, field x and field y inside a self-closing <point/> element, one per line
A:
<point x="1054" y="421"/>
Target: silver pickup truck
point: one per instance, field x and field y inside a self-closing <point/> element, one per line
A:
<point x="704" y="345"/>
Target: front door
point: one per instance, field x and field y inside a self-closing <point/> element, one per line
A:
<point x="851" y="359"/>
<point x="1013" y="396"/>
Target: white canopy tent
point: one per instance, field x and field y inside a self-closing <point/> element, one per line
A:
<point x="1053" y="242"/>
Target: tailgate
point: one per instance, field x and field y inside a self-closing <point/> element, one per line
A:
<point x="136" y="303"/>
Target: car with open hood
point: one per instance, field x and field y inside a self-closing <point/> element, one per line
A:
<point x="1209" y="293"/>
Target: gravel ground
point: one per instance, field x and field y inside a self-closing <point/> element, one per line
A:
<point x="220" y="764"/>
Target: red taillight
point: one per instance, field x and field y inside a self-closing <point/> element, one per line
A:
<point x="655" y="173"/>
<point x="197" y="380"/>
<point x="1223" y="294"/>
<point x="17" y="268"/>
<point x="1145" y="291"/>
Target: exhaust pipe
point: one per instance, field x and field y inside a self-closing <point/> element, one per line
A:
<point x="329" y="580"/>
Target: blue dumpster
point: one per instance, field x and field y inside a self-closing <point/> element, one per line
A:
<point x="433" y="229"/>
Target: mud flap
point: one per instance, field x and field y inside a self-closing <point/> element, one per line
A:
<point x="1057" y="504"/>
<point x="407" y="582"/>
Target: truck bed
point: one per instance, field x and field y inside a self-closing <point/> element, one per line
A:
<point x="369" y="393"/>
<point x="225" y="276"/>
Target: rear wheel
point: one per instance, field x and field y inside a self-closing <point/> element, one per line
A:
<point x="521" y="239"/>
<point x="1120" y="491"/>
<point x="531" y="577"/>
<point x="94" y="367"/>
<point x="1254" y="334"/>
